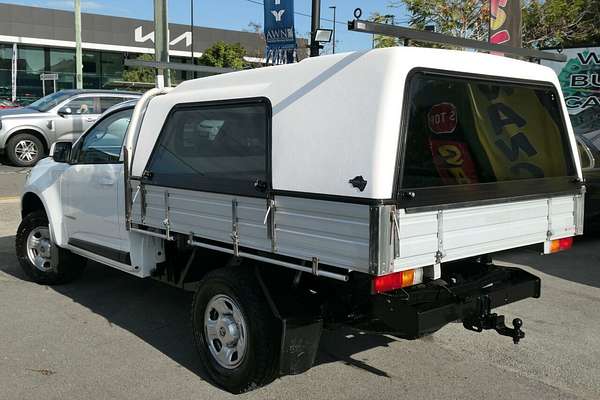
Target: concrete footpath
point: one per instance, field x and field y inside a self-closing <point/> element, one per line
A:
<point x="113" y="336"/>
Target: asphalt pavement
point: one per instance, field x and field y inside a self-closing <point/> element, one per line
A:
<point x="11" y="180"/>
<point x="113" y="336"/>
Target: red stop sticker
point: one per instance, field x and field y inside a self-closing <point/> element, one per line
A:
<point x="442" y="118"/>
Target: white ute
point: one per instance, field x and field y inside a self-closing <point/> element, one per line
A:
<point x="365" y="188"/>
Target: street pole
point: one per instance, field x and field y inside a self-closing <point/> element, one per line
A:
<point x="14" y="72"/>
<point x="315" y="25"/>
<point x="78" y="55"/>
<point x="161" y="41"/>
<point x="333" y="7"/>
<point x="192" y="33"/>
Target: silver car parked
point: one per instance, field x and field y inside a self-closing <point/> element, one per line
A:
<point x="27" y="133"/>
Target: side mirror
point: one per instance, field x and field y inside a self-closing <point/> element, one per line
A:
<point x="65" y="111"/>
<point x="61" y="152"/>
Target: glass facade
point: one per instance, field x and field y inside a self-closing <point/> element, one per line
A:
<point x="100" y="70"/>
<point x="5" y="71"/>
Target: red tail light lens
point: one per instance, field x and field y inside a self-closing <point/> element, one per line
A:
<point x="566" y="243"/>
<point x="561" y="244"/>
<point x="397" y="280"/>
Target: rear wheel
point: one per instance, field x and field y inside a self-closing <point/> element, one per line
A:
<point x="42" y="261"/>
<point x="24" y="150"/>
<point x="235" y="332"/>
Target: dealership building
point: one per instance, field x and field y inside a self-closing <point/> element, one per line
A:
<point x="39" y="41"/>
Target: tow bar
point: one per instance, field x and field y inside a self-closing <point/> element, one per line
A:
<point x="484" y="319"/>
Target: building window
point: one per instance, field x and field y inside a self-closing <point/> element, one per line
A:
<point x="62" y="61"/>
<point x="31" y="60"/>
<point x="216" y="148"/>
<point x="6" y="57"/>
<point x="112" y="68"/>
<point x="5" y="71"/>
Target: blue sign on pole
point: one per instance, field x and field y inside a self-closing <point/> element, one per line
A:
<point x="279" y="31"/>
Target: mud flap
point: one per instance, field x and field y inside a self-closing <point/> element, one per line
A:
<point x="300" y="335"/>
<point x="299" y="344"/>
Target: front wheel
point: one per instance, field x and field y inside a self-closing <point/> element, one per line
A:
<point x="42" y="261"/>
<point x="24" y="150"/>
<point x="234" y="329"/>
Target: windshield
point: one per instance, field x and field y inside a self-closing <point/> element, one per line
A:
<point x="466" y="131"/>
<point x="50" y="101"/>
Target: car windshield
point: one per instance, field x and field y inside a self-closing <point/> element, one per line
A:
<point x="50" y="101"/>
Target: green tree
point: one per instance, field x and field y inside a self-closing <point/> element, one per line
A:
<point x="546" y="23"/>
<point x="556" y="23"/>
<point x="257" y="28"/>
<point x="460" y="18"/>
<point x="224" y="55"/>
<point x="139" y="74"/>
<point x="380" y="41"/>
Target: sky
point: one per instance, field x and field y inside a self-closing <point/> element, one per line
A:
<point x="236" y="14"/>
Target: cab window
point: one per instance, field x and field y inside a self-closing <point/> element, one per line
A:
<point x="108" y="102"/>
<point x="103" y="142"/>
<point x="83" y="106"/>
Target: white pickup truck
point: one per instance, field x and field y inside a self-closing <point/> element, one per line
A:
<point x="366" y="188"/>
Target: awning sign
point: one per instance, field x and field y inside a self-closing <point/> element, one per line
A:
<point x="280" y="32"/>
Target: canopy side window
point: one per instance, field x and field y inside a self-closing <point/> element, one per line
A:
<point x="222" y="148"/>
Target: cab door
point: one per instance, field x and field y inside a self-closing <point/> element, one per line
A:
<point x="92" y="189"/>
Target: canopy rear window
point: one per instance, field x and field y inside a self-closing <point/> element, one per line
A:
<point x="466" y="131"/>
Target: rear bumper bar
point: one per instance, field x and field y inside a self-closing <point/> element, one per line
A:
<point x="424" y="309"/>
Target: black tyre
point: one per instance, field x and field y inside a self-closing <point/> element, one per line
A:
<point x="35" y="251"/>
<point x="234" y="329"/>
<point x="24" y="150"/>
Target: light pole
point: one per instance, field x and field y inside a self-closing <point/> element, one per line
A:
<point x="161" y="42"/>
<point x="78" y="55"/>
<point x="314" y="26"/>
<point x="333" y="8"/>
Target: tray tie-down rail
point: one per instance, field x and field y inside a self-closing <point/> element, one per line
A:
<point x="484" y="319"/>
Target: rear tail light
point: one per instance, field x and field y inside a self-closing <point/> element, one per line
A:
<point x="554" y="246"/>
<point x="397" y="280"/>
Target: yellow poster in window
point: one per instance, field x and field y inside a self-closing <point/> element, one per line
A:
<point x="517" y="132"/>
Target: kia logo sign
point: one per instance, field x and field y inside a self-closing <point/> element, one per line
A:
<point x="442" y="118"/>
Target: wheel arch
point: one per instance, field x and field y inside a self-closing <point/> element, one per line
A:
<point x="31" y="202"/>
<point x="31" y="131"/>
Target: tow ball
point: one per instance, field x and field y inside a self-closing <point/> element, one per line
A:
<point x="484" y="319"/>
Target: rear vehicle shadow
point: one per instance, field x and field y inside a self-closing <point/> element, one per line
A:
<point x="580" y="264"/>
<point x="160" y="315"/>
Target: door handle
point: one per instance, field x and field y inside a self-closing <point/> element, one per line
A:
<point x="106" y="181"/>
<point x="90" y="119"/>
